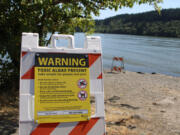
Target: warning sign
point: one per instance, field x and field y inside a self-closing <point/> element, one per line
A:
<point x="61" y="87"/>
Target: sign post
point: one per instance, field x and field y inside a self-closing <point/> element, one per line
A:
<point x="55" y="87"/>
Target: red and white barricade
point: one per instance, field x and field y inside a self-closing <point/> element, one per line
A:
<point x="29" y="47"/>
<point x="117" y="61"/>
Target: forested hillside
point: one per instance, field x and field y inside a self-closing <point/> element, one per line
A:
<point x="149" y="23"/>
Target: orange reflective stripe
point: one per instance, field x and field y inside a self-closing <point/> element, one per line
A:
<point x="100" y="76"/>
<point x="119" y="69"/>
<point x="84" y="127"/>
<point x="29" y="74"/>
<point x="115" y="68"/>
<point x="121" y="58"/>
<point x="44" y="129"/>
<point x="23" y="53"/>
<point x="115" y="58"/>
<point x="93" y="58"/>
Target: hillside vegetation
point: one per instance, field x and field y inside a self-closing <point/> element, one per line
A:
<point x="152" y="23"/>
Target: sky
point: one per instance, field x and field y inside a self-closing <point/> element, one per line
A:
<point x="138" y="9"/>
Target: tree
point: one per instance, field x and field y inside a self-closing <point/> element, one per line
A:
<point x="147" y="23"/>
<point x="43" y="17"/>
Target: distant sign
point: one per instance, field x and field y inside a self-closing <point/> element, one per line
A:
<point x="61" y="87"/>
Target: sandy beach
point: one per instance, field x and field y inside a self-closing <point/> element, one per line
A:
<point x="142" y="104"/>
<point x="136" y="104"/>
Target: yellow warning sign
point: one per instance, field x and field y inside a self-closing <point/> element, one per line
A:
<point x="62" y="92"/>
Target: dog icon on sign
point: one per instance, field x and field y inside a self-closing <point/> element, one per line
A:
<point x="82" y="95"/>
<point x="82" y="83"/>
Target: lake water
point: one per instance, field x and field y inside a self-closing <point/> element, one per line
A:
<point x="141" y="53"/>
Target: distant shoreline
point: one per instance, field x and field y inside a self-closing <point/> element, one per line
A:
<point x="142" y="72"/>
<point x="166" y="24"/>
<point x="135" y="35"/>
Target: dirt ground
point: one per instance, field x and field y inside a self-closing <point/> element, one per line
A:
<point x="9" y="120"/>
<point x="142" y="104"/>
<point x="136" y="104"/>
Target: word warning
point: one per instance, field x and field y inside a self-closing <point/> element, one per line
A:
<point x="62" y="92"/>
